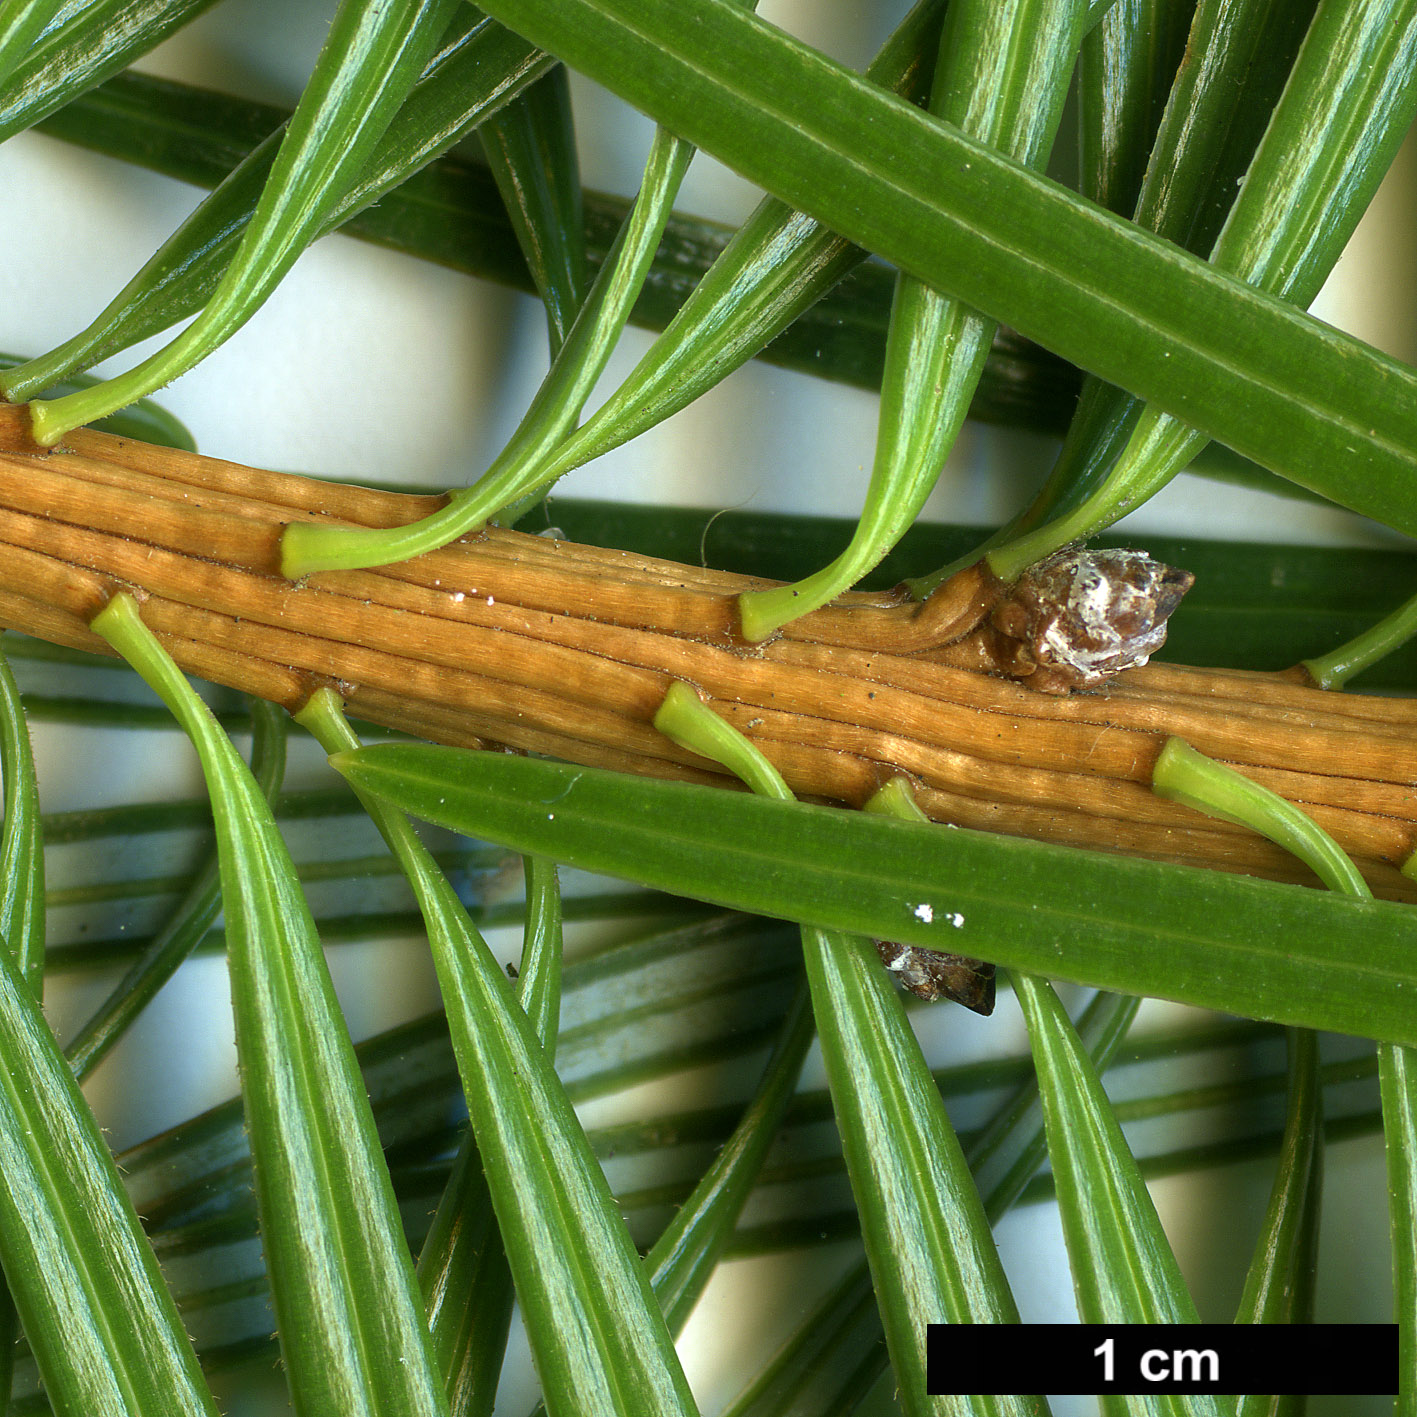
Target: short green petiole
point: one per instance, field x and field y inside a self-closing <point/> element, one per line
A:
<point x="1335" y="669"/>
<point x="51" y="419"/>
<point x="1184" y="775"/>
<point x="121" y="624"/>
<point x="687" y="720"/>
<point x="322" y="716"/>
<point x="761" y="613"/>
<point x="896" y="799"/>
<point x="1009" y="561"/>
<point x="307" y="547"/>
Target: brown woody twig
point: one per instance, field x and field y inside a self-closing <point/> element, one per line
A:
<point x="546" y="646"/>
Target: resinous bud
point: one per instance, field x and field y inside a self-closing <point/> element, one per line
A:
<point x="1081" y="616"/>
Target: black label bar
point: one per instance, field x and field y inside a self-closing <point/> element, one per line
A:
<point x="1350" y="1360"/>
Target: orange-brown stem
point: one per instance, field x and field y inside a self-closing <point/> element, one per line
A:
<point x="553" y="647"/>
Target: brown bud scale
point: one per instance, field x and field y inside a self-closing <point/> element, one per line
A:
<point x="932" y="975"/>
<point x="1082" y="616"/>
